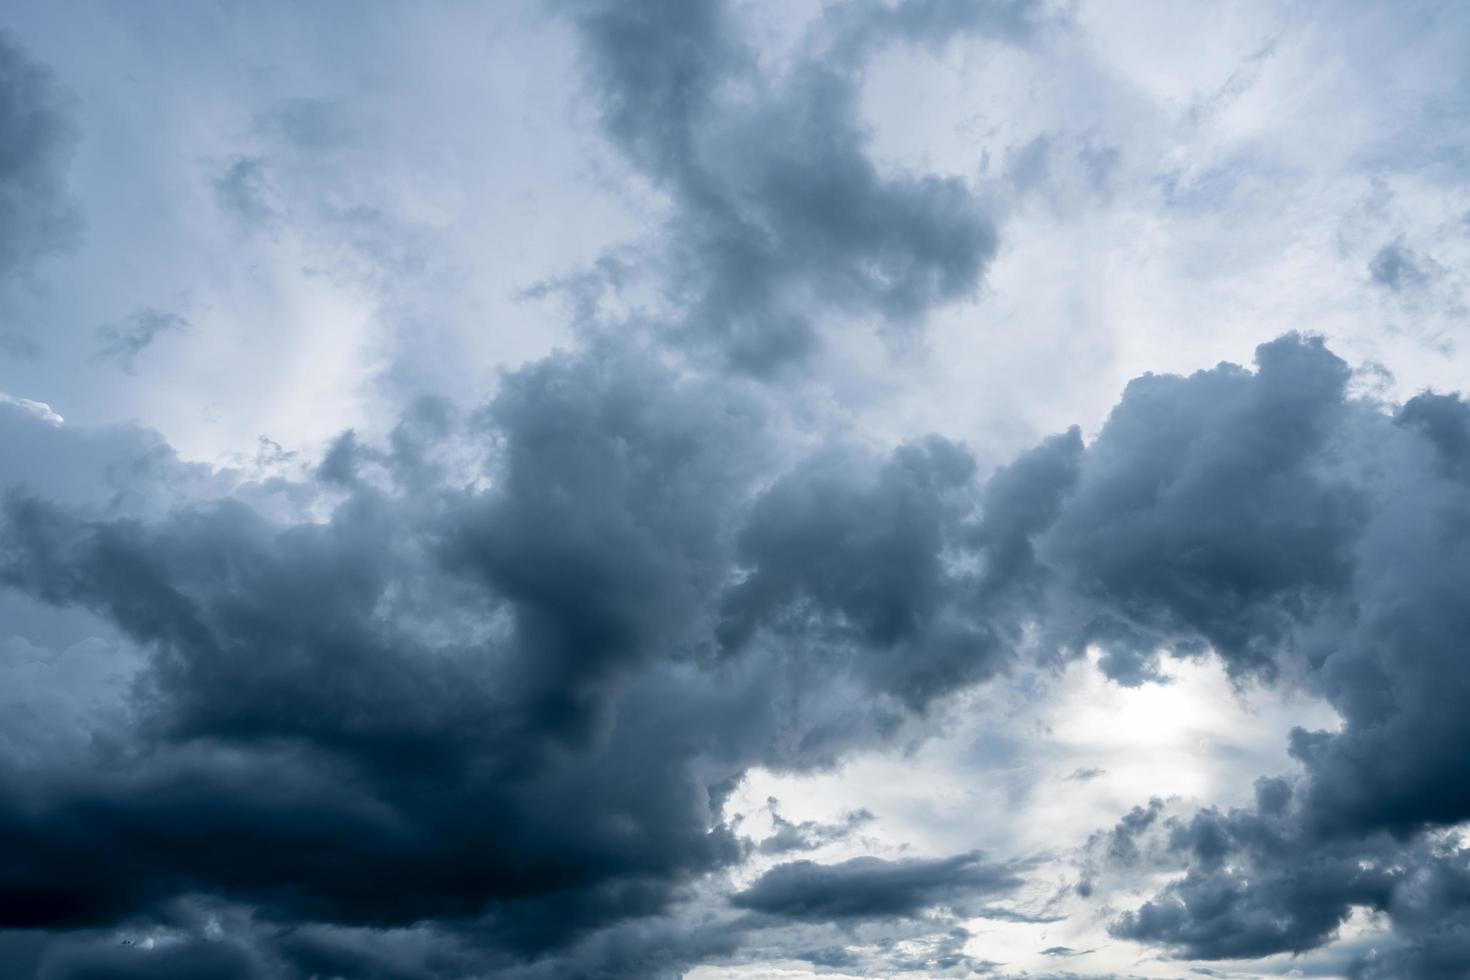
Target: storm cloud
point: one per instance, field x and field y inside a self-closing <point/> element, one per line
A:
<point x="511" y="678"/>
<point x="743" y="615"/>
<point x="504" y="707"/>
<point x="1292" y="528"/>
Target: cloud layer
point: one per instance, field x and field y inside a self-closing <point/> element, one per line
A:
<point x="486" y="681"/>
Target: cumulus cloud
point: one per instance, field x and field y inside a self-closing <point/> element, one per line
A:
<point x="473" y="695"/>
<point x="368" y="643"/>
<point x="487" y="689"/>
<point x="511" y="679"/>
<point x="1294" y="530"/>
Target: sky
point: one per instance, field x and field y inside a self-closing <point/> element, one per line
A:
<point x="734" y="490"/>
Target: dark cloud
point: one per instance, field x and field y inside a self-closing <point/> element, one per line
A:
<point x="855" y="550"/>
<point x="37" y="213"/>
<point x="1261" y="881"/>
<point x="1201" y="513"/>
<point x="173" y="961"/>
<point x="312" y="680"/>
<point x="873" y="888"/>
<point x="471" y="700"/>
<point x="1226" y="909"/>
<point x="1296" y="531"/>
<point x="314" y="950"/>
<point x="495" y="677"/>
<point x="123" y="341"/>
<point x="486" y="691"/>
<point x="778" y="212"/>
<point x="867" y="556"/>
<point x="1437" y="955"/>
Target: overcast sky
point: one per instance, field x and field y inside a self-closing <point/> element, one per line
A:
<point x="734" y="489"/>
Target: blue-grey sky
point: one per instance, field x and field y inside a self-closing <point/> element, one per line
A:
<point x="734" y="489"/>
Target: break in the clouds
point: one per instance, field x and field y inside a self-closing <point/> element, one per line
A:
<point x="659" y="489"/>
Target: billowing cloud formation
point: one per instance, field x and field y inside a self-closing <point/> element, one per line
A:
<point x="474" y="697"/>
<point x="509" y="681"/>
<point x="1297" y="530"/>
<point x="279" y="644"/>
<point x="873" y="556"/>
<point x="777" y="213"/>
<point x="1202" y="513"/>
<point x="488" y="689"/>
<point x="37" y="214"/>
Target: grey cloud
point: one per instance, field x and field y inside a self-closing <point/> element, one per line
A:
<point x="1231" y="910"/>
<point x="1065" y="170"/>
<point x="1200" y="513"/>
<point x="608" y="537"/>
<point x="1261" y="881"/>
<point x="1438" y="955"/>
<point x="1280" y="521"/>
<point x="857" y="549"/>
<point x="470" y="700"/>
<point x="1028" y="167"/>
<point x="119" y="470"/>
<point x="415" y="953"/>
<point x="905" y="560"/>
<point x="1122" y="840"/>
<point x="777" y="210"/>
<point x="243" y="188"/>
<point x="787" y="836"/>
<point x="1397" y="267"/>
<point x="1065" y="951"/>
<point x="123" y="341"/>
<point x="867" y="888"/>
<point x="291" y="178"/>
<point x="508" y="684"/>
<point x="310" y="124"/>
<point x="318" y="656"/>
<point x="37" y="213"/>
<point x="496" y="706"/>
<point x="934" y="22"/>
<point x="181" y="961"/>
